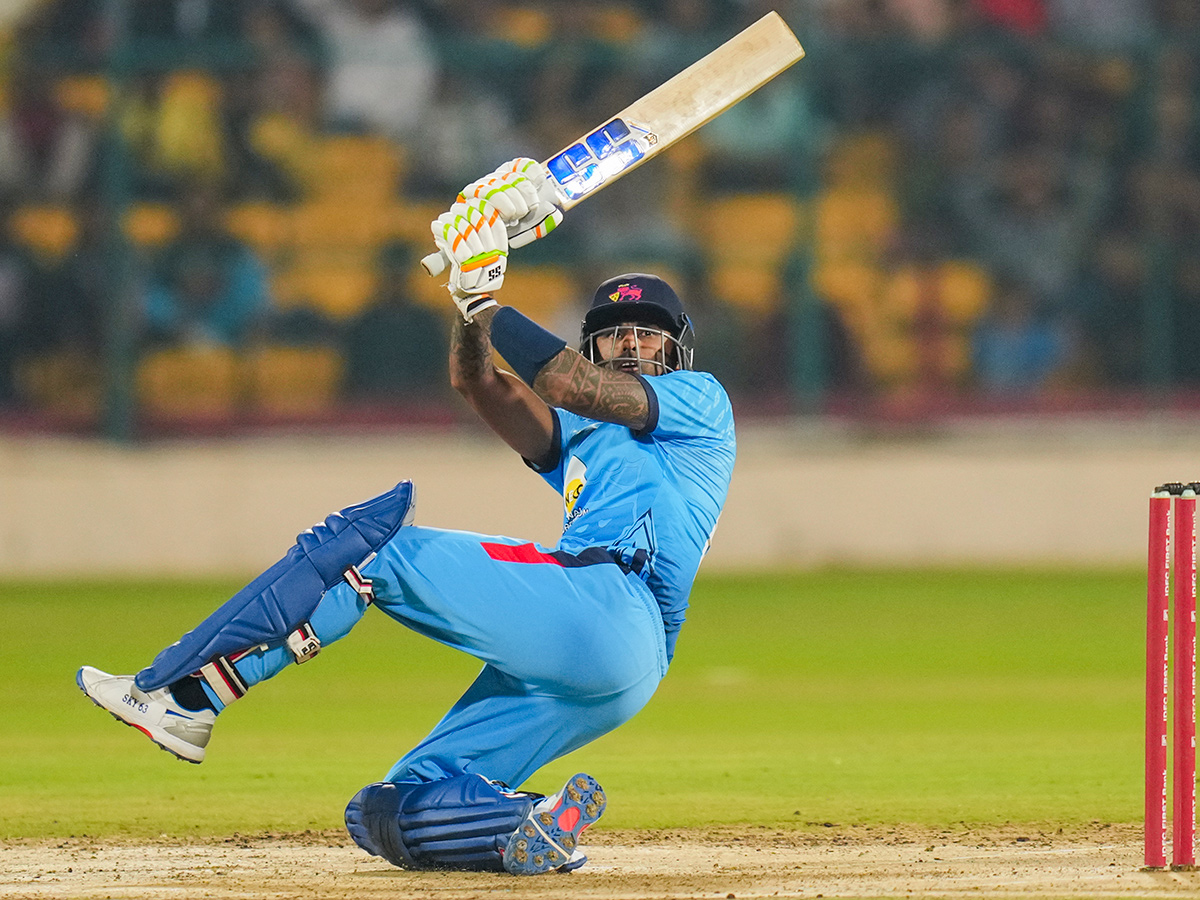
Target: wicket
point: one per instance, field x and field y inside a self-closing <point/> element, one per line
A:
<point x="1163" y="567"/>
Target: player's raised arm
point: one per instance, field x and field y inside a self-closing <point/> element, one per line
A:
<point x="473" y="237"/>
<point x="509" y="407"/>
<point x="571" y="382"/>
<point x="635" y="328"/>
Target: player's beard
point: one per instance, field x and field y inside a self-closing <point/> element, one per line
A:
<point x="633" y="363"/>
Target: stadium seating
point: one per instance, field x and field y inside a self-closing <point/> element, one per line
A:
<point x="48" y="231"/>
<point x="292" y="381"/>
<point x="151" y="225"/>
<point x="189" y="384"/>
<point x="540" y="292"/>
<point x="67" y="384"/>
<point x="357" y="169"/>
<point x="338" y="286"/>
<point x="750" y="236"/>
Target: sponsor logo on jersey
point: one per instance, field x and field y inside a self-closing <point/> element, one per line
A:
<point x="573" y="485"/>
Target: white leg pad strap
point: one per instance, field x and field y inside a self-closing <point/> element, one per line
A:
<point x="304" y="643"/>
<point x="222" y="676"/>
<point x="362" y="586"/>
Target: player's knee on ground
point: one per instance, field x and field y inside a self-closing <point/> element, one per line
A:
<point x="459" y="823"/>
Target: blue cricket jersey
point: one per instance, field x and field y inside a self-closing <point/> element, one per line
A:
<point x="653" y="497"/>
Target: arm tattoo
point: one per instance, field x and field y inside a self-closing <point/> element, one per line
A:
<point x="572" y="383"/>
<point x="471" y="347"/>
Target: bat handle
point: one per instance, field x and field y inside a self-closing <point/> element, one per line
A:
<point x="435" y="263"/>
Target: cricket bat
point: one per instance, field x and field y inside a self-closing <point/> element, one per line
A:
<point x="667" y="114"/>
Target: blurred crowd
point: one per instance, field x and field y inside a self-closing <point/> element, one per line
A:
<point x="947" y="202"/>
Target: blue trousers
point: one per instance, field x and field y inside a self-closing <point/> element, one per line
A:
<point x="569" y="651"/>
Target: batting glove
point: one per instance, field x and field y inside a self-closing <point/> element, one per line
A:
<point x="523" y="192"/>
<point x="472" y="236"/>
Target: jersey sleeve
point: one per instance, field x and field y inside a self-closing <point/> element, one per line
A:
<point x="550" y="461"/>
<point x="688" y="404"/>
<point x="566" y="425"/>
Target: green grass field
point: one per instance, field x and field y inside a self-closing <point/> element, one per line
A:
<point x="933" y="698"/>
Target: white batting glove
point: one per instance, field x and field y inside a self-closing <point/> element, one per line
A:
<point x="472" y="236"/>
<point x="513" y="195"/>
<point x="523" y="192"/>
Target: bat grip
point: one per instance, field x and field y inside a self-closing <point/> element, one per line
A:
<point x="435" y="263"/>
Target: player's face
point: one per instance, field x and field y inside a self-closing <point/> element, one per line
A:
<point x="636" y="349"/>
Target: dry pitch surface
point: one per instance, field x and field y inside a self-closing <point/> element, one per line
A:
<point x="748" y="862"/>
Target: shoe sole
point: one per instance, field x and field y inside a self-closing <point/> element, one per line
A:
<point x="145" y="731"/>
<point x="545" y="840"/>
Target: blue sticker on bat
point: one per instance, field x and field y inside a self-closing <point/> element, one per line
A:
<point x="606" y="152"/>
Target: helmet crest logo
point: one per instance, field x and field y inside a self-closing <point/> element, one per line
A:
<point x="626" y="292"/>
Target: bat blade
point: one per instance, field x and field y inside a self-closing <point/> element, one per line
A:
<point x="668" y="114"/>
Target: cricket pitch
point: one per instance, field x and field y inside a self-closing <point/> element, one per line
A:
<point x="822" y="860"/>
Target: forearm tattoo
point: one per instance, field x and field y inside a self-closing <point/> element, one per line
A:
<point x="471" y="347"/>
<point x="571" y="382"/>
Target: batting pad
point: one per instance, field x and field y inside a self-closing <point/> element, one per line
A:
<point x="458" y="823"/>
<point x="279" y="600"/>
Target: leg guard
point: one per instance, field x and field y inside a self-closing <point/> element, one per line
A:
<point x="459" y="823"/>
<point x="275" y="605"/>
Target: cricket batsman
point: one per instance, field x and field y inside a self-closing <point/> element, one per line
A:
<point x="573" y="639"/>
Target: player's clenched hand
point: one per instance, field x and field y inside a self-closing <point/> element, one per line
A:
<point x="472" y="236"/>
<point x="512" y="193"/>
<point x="521" y="189"/>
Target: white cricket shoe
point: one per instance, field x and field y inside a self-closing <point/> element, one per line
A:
<point x="183" y="732"/>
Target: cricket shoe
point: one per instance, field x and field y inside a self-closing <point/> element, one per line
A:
<point x="548" y="838"/>
<point x="183" y="732"/>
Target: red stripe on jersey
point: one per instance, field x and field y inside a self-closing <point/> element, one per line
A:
<point x="522" y="553"/>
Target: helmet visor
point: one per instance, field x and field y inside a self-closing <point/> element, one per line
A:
<point x="637" y="349"/>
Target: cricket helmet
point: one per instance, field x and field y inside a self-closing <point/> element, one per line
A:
<point x="646" y="302"/>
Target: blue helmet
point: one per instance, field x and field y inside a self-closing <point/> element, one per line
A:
<point x="644" y="301"/>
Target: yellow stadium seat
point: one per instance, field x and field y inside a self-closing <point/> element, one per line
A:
<point x="264" y="226"/>
<point x="890" y="355"/>
<point x="87" y="95"/>
<point x="540" y="292"/>
<point x="67" y="383"/>
<point x="49" y="231"/>
<point x="285" y="380"/>
<point x="750" y="286"/>
<point x="189" y="383"/>
<point x="430" y="291"/>
<point x="848" y="284"/>
<point x="865" y="160"/>
<point x="906" y="290"/>
<point x="966" y="290"/>
<point x="750" y="236"/>
<point x="151" y="224"/>
<point x="340" y="288"/>
<point x="617" y="23"/>
<point x="287" y="142"/>
<point x="960" y="290"/>
<point x="525" y="25"/>
<point x="358" y="167"/>
<point x="188" y="129"/>
<point x="409" y="221"/>
<point x="854" y="222"/>
<point x="762" y="226"/>
<point x="338" y="223"/>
